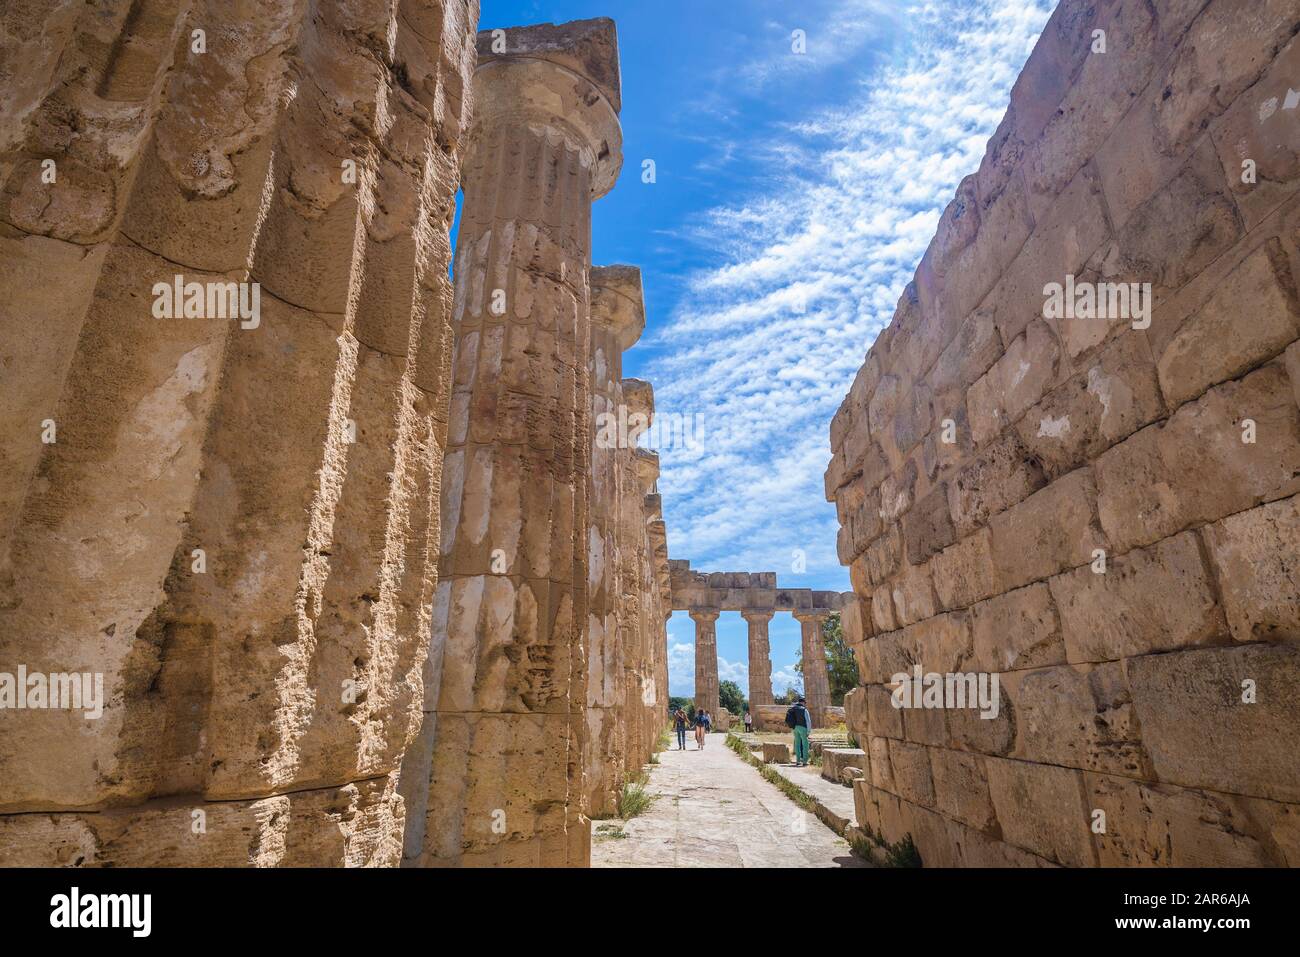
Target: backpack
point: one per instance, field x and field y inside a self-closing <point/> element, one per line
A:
<point x="789" y="717"/>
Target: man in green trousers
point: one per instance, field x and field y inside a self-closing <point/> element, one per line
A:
<point x="800" y="721"/>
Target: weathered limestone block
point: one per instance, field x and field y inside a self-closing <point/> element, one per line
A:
<point x="1076" y="716"/>
<point x="1221" y="718"/>
<point x="836" y="761"/>
<point x="927" y="527"/>
<point x="912" y="778"/>
<point x="356" y="825"/>
<point x="1184" y="227"/>
<point x="1107" y="401"/>
<point x="1155" y="599"/>
<point x="961" y="788"/>
<point x="1255" y="553"/>
<point x="1097" y="98"/>
<point x="507" y="724"/>
<point x="883" y="719"/>
<point x="1054" y="529"/>
<point x="1062" y="242"/>
<point x="1017" y="629"/>
<point x="1212" y="345"/>
<point x="1160" y="825"/>
<point x="856" y="713"/>
<point x="882" y="772"/>
<point x="1003" y="474"/>
<point x="964" y="573"/>
<point x="1256" y="129"/>
<point x="912" y="594"/>
<point x="1042" y="809"/>
<point x="1195" y="467"/>
<point x="776" y="753"/>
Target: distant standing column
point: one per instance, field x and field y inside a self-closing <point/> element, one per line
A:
<point x="760" y="660"/>
<point x="706" y="660"/>
<point x="816" y="680"/>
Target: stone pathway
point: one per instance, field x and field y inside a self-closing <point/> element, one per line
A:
<point x="836" y="798"/>
<point x="713" y="810"/>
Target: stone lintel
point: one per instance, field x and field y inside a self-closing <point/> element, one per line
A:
<point x="728" y="591"/>
<point x="618" y="302"/>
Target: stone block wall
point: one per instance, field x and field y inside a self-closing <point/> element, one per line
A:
<point x="1104" y="514"/>
<point x="235" y="525"/>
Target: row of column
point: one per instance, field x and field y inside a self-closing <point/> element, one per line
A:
<point x="815" y="674"/>
<point x="543" y="664"/>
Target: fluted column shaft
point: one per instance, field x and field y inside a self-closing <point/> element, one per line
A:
<point x="506" y="727"/>
<point x="706" y="660"/>
<point x="760" y="659"/>
<point x="613" y="529"/>
<point x="816" y="680"/>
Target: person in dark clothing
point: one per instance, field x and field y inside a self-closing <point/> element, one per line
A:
<point x="679" y="724"/>
<point x="800" y="721"/>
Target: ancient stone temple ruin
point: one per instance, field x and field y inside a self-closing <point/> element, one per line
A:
<point x="357" y="552"/>
<point x="756" y="596"/>
<point x="1098" y="507"/>
<point x="362" y="583"/>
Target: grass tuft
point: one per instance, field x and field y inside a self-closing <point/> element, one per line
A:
<point x="634" y="798"/>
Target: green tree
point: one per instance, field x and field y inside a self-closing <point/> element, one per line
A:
<point x="732" y="698"/>
<point x="677" y="701"/>
<point x="788" y="696"/>
<point x="841" y="666"/>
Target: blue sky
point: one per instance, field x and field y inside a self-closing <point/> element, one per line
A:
<point x="794" y="195"/>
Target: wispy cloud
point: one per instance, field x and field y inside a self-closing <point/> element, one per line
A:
<point x="765" y="342"/>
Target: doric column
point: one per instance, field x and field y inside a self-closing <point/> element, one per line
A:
<point x="614" y="527"/>
<point x="816" y="680"/>
<point x="233" y="522"/>
<point x="504" y="731"/>
<point x="651" y="633"/>
<point x="706" y="659"/>
<point x="760" y="659"/>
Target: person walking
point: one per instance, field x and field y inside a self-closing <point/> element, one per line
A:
<point x="699" y="731"/>
<point x="800" y="721"/>
<point x="679" y="725"/>
<point x="749" y="723"/>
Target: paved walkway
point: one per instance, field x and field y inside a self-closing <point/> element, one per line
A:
<point x="713" y="810"/>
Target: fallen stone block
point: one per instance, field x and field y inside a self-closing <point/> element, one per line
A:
<point x="776" y="753"/>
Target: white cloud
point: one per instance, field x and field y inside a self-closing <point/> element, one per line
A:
<point x="765" y="344"/>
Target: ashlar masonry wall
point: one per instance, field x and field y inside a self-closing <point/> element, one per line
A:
<point x="1102" y="513"/>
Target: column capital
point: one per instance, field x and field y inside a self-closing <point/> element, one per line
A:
<point x="618" y="303"/>
<point x="758" y="614"/>
<point x="563" y="78"/>
<point x="639" y="396"/>
<point x="646" y="464"/>
<point x="639" y="399"/>
<point x="818" y="616"/>
<point x="704" y="614"/>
